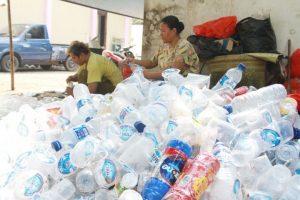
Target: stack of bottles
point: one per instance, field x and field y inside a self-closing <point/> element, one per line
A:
<point x="155" y="140"/>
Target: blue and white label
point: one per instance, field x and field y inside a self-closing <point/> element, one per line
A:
<point x="81" y="132"/>
<point x="271" y="137"/>
<point x="89" y="149"/>
<point x="45" y="156"/>
<point x="185" y="92"/>
<point x="109" y="171"/>
<point x="33" y="185"/>
<point x="155" y="157"/>
<point x="172" y="125"/>
<point x="124" y="112"/>
<point x="225" y="81"/>
<point x="22" y="160"/>
<point x="65" y="165"/>
<point x="152" y="137"/>
<point x="171" y="167"/>
<point x="126" y="131"/>
<point x="81" y="103"/>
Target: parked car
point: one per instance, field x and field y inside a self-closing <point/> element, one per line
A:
<point x="32" y="47"/>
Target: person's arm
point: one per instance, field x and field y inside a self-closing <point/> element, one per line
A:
<point x="148" y="64"/>
<point x="73" y="78"/>
<point x="155" y="75"/>
<point x="93" y="87"/>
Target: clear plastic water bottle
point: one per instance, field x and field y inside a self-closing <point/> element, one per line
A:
<point x="63" y="190"/>
<point x="124" y="111"/>
<point x="167" y="171"/>
<point x="257" y="99"/>
<point x="85" y="181"/>
<point x="107" y="172"/>
<point x="130" y="195"/>
<point x="87" y="151"/>
<point x="273" y="182"/>
<point x="84" y="102"/>
<point x="231" y="78"/>
<point x="292" y="189"/>
<point x="72" y="136"/>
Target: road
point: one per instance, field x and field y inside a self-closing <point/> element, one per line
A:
<point x="29" y="82"/>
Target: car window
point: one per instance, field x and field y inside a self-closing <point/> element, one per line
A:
<point x="37" y="32"/>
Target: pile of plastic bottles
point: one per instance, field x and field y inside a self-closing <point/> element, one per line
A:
<point x="173" y="139"/>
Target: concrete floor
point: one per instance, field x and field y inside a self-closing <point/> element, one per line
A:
<point x="28" y="83"/>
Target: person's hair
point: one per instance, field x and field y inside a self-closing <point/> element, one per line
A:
<point x="173" y="22"/>
<point x="77" y="48"/>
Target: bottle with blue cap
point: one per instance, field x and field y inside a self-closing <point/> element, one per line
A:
<point x="231" y="78"/>
<point x="168" y="170"/>
<point x="72" y="136"/>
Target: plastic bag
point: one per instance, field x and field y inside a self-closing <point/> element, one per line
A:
<point x="220" y="28"/>
<point x="256" y="35"/>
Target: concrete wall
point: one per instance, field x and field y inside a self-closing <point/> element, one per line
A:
<point x="285" y="17"/>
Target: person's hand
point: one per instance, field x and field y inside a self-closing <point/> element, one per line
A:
<point x="128" y="60"/>
<point x="69" y="91"/>
<point x="70" y="78"/>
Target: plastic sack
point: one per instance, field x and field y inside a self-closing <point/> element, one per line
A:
<point x="223" y="27"/>
<point x="295" y="64"/>
<point x="256" y="35"/>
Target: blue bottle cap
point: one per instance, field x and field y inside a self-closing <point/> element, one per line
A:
<point x="139" y="126"/>
<point x="56" y="145"/>
<point x="181" y="146"/>
<point x="155" y="189"/>
<point x="296" y="133"/>
<point x="228" y="107"/>
<point x="242" y="66"/>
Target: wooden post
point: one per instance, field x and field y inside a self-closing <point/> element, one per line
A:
<point x="11" y="48"/>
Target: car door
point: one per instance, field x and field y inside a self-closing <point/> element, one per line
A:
<point x="36" y="46"/>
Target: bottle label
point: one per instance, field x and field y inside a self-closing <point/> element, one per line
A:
<point x="271" y="137"/>
<point x="126" y="131"/>
<point x="124" y="112"/>
<point x="89" y="149"/>
<point x="155" y="157"/>
<point x="45" y="156"/>
<point x="237" y="188"/>
<point x="227" y="82"/>
<point x="185" y="92"/>
<point x="33" y="185"/>
<point x="81" y="132"/>
<point x="152" y="137"/>
<point x="65" y="166"/>
<point x="81" y="103"/>
<point x="171" y="167"/>
<point x="109" y="171"/>
<point x="22" y="160"/>
<point x="172" y="125"/>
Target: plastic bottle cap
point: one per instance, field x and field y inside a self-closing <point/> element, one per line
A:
<point x="242" y="66"/>
<point x="56" y="145"/>
<point x="228" y="108"/>
<point x="140" y="126"/>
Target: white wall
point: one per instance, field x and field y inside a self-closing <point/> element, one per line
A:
<point x="285" y="17"/>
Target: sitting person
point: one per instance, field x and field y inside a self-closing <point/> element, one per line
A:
<point x="175" y="53"/>
<point x="100" y="74"/>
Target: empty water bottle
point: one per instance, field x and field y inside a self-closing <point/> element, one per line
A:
<point x="73" y="135"/>
<point x="256" y="99"/>
<point x="85" y="181"/>
<point x="84" y="102"/>
<point x="231" y="78"/>
<point x="63" y="190"/>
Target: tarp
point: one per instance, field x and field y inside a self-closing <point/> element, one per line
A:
<point x="131" y="8"/>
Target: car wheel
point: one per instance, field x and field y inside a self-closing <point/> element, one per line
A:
<point x="70" y="65"/>
<point x="5" y="63"/>
<point x="46" y="67"/>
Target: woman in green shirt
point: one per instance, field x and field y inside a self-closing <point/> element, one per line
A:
<point x="174" y="53"/>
